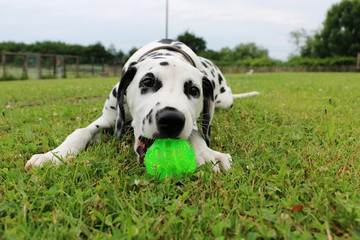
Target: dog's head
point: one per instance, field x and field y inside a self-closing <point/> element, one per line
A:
<point x="165" y="98"/>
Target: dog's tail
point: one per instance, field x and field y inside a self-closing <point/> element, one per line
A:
<point x="245" y="95"/>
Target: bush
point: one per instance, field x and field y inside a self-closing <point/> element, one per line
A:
<point x="265" y="62"/>
<point x="317" y="62"/>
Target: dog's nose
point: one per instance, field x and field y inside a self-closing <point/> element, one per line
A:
<point x="170" y="122"/>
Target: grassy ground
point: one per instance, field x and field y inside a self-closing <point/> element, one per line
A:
<point x="296" y="172"/>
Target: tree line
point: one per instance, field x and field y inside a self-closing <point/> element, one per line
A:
<point x="95" y="53"/>
<point x="243" y="54"/>
<point x="336" y="43"/>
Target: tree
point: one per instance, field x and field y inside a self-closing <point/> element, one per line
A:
<point x="197" y="44"/>
<point x="211" y="54"/>
<point x="341" y="32"/>
<point x="227" y="56"/>
<point x="131" y="52"/>
<point x="299" y="39"/>
<point x="121" y="57"/>
<point x="249" y="50"/>
<point x="339" y="36"/>
<point x="98" y="53"/>
<point x="112" y="50"/>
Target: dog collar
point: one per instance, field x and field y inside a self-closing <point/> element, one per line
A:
<point x="171" y="48"/>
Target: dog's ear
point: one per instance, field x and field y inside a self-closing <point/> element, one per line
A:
<point x="125" y="81"/>
<point x="208" y="108"/>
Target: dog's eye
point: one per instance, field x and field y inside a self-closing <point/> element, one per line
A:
<point x="194" y="91"/>
<point x="148" y="82"/>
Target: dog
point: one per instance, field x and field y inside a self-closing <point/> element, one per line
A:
<point x="165" y="91"/>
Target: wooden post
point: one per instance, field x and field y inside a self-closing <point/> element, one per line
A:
<point x="54" y="66"/>
<point x="77" y="66"/>
<point x="92" y="67"/>
<point x="25" y="65"/>
<point x="103" y="68"/>
<point x="38" y="61"/>
<point x="358" y="62"/>
<point x="64" y="67"/>
<point x="3" y="57"/>
<point x="114" y="67"/>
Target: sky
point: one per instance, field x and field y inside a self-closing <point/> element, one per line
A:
<point x="133" y="23"/>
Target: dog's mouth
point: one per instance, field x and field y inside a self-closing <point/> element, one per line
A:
<point x="142" y="145"/>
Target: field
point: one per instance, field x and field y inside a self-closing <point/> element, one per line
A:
<point x="296" y="172"/>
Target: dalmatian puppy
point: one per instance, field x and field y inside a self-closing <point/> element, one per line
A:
<point x="165" y="91"/>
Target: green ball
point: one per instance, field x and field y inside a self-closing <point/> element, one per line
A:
<point x="168" y="157"/>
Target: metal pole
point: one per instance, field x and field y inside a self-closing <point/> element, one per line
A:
<point x="167" y="20"/>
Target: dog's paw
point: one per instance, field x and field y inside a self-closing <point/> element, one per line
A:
<point x="219" y="160"/>
<point x="40" y="159"/>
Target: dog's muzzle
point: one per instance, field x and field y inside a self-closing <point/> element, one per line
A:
<point x="170" y="122"/>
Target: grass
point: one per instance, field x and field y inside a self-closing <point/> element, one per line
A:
<point x="296" y="166"/>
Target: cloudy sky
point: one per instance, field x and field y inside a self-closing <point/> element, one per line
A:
<point x="129" y="23"/>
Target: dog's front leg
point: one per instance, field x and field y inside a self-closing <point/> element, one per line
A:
<point x="205" y="154"/>
<point x="80" y="138"/>
<point x="72" y="145"/>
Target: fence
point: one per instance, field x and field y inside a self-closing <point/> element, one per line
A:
<point x="241" y="69"/>
<point x="45" y="66"/>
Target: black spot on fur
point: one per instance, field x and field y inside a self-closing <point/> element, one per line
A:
<point x="112" y="107"/>
<point x="186" y="88"/>
<point x="208" y="62"/>
<point x="208" y="89"/>
<point x="149" y="116"/>
<point x="204" y="64"/>
<point x="114" y="93"/>
<point x="164" y="63"/>
<point x="222" y="90"/>
<point x="220" y="79"/>
<point x="216" y="96"/>
<point x="150" y="120"/>
<point x="213" y="83"/>
<point x="97" y="126"/>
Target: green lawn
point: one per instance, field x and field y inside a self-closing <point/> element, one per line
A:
<point x="296" y="170"/>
